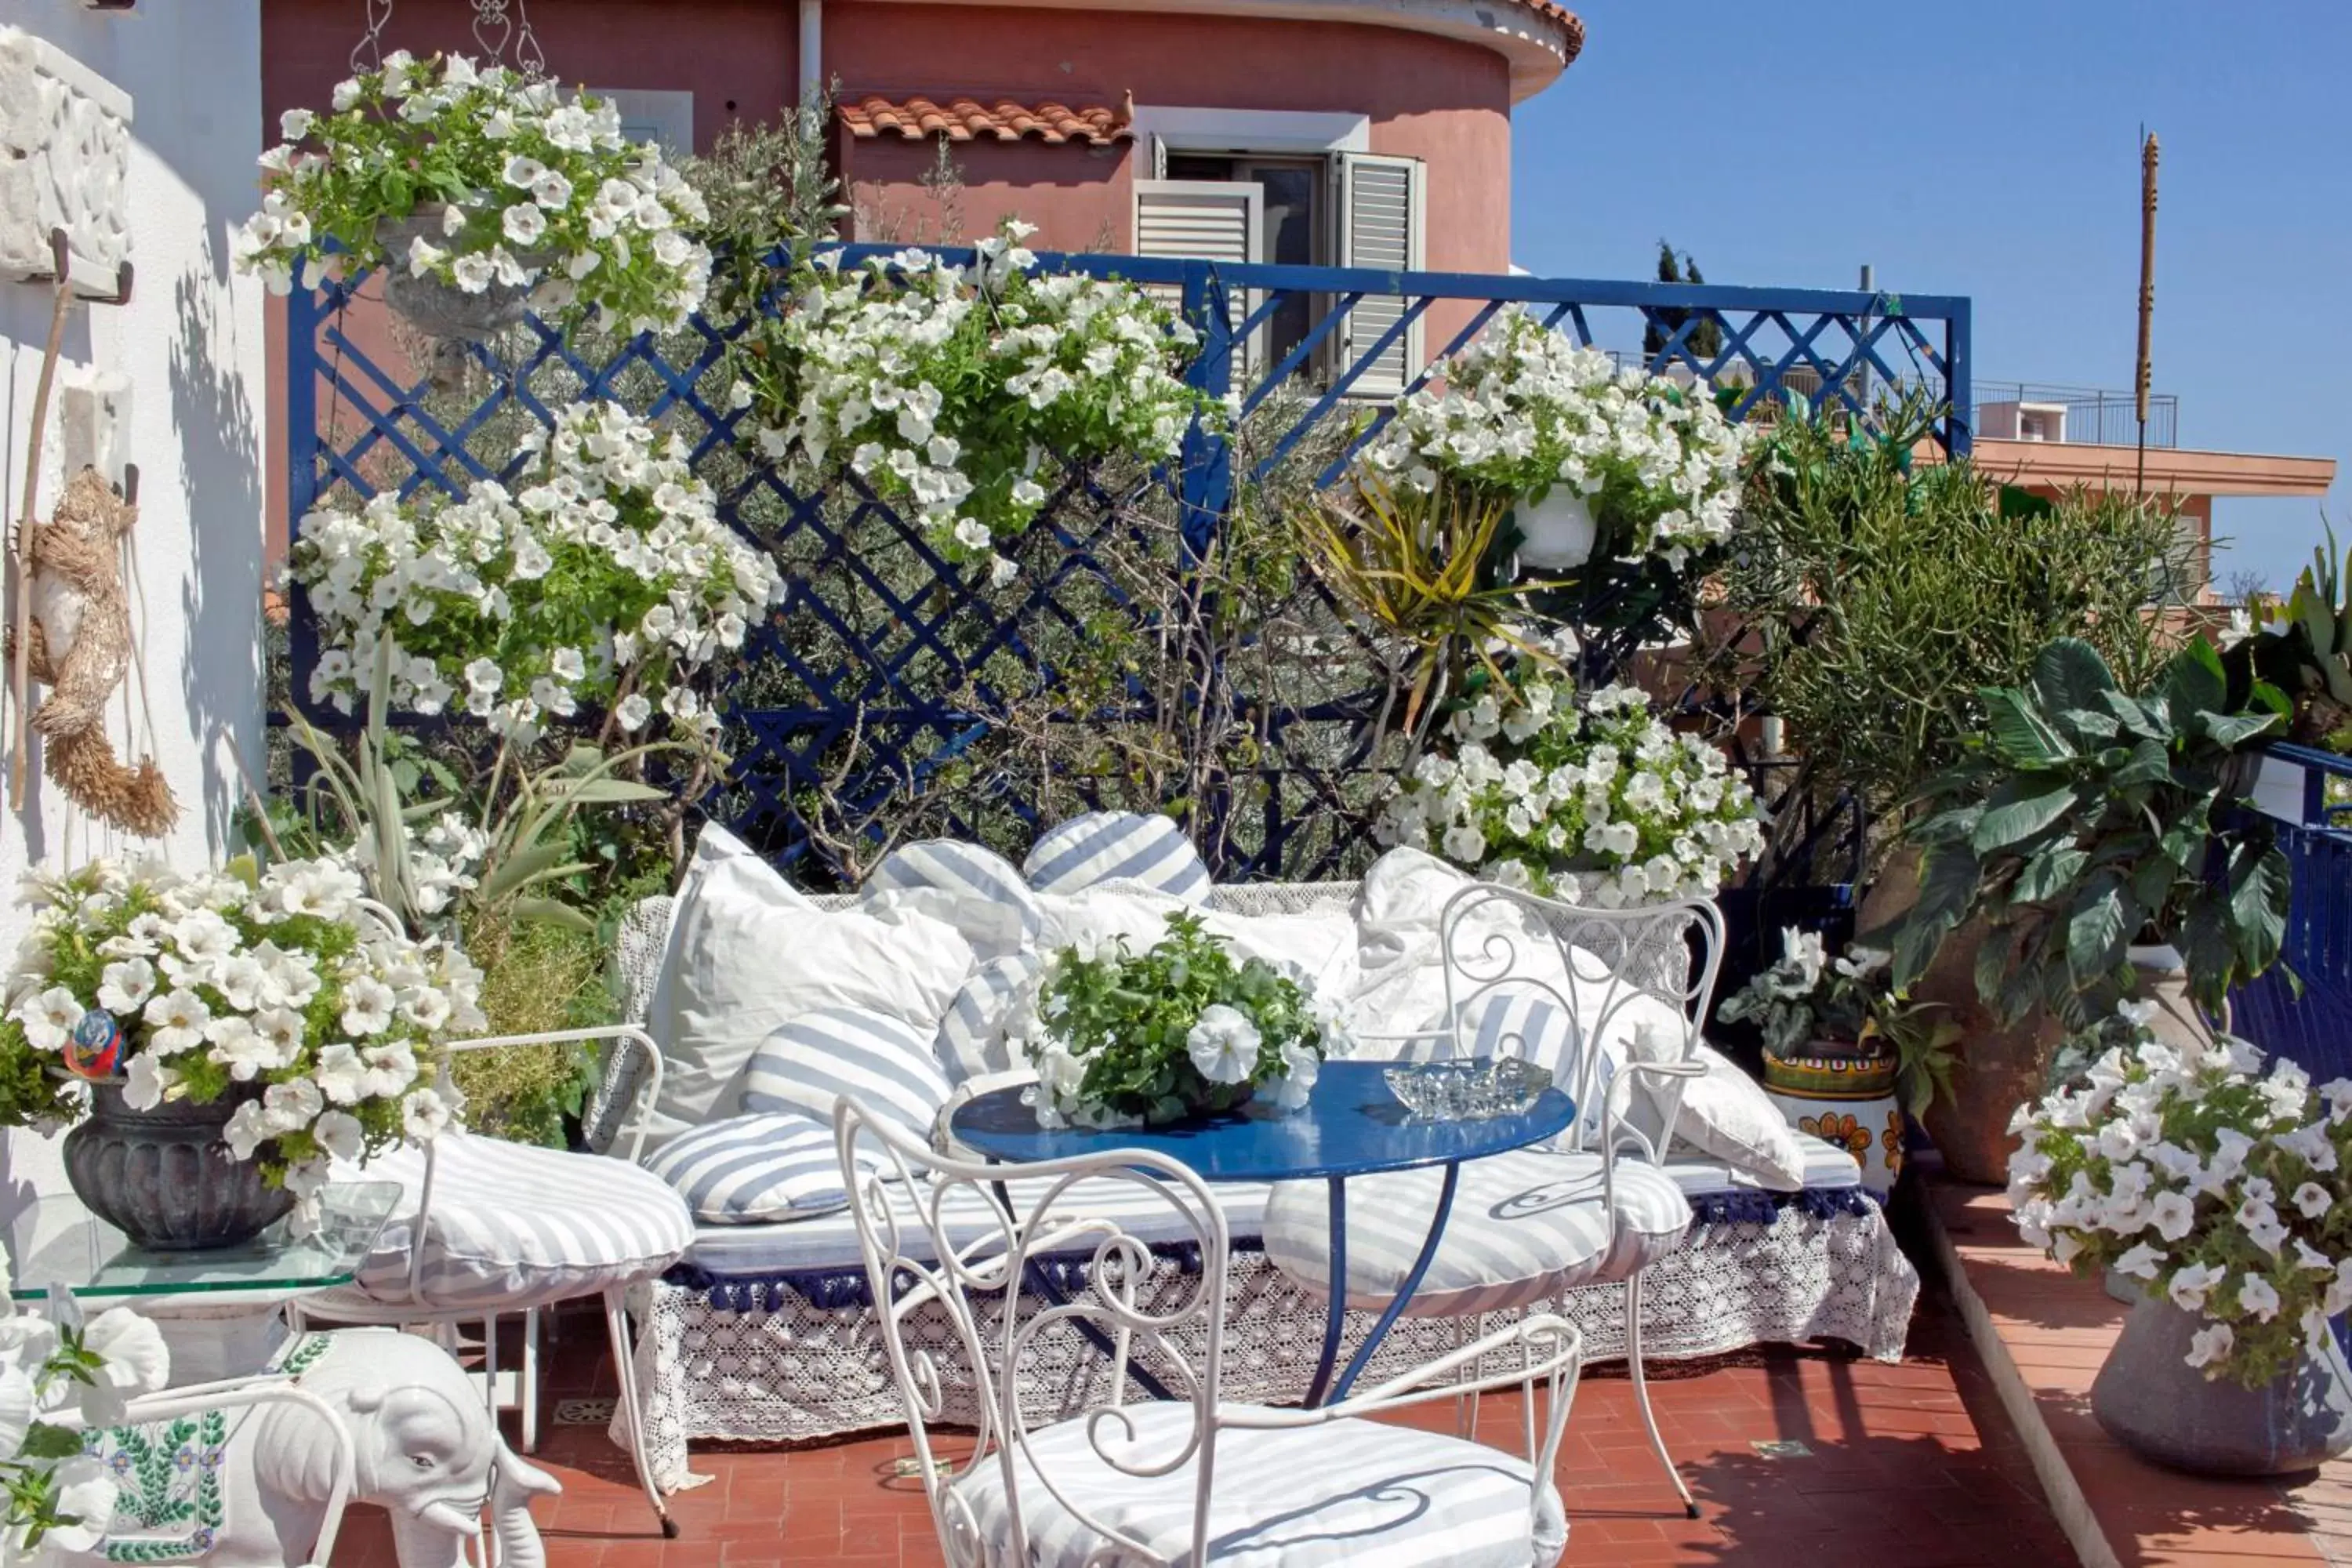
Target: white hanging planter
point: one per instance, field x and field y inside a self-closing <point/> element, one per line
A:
<point x="1557" y="531"/>
<point x="439" y="310"/>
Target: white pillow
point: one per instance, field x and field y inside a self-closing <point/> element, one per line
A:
<point x="1400" y="908"/>
<point x="1318" y="944"/>
<point x="1725" y="1115"/>
<point x="1092" y="920"/>
<point x="748" y="952"/>
<point x="976" y="890"/>
<point x="759" y="1169"/>
<point x="883" y="1063"/>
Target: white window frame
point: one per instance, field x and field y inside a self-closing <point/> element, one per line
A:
<point x="1270" y="132"/>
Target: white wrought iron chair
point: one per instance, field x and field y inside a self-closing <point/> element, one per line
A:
<point x="610" y="1210"/>
<point x="1544" y="980"/>
<point x="1192" y="1479"/>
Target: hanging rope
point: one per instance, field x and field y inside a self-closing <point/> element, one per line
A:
<point x="368" y="53"/>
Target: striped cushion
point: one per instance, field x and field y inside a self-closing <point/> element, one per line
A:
<point x="1117" y="846"/>
<point x="972" y="1037"/>
<point x="883" y="1064"/>
<point x="1360" y="1493"/>
<point x="1525" y="1226"/>
<point x="1530" y="1024"/>
<point x="976" y="890"/>
<point x="749" y="1169"/>
<point x="514" y="1226"/>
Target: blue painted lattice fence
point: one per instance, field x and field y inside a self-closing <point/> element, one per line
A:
<point x="887" y="676"/>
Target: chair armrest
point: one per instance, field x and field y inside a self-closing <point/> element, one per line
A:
<point x="648" y="1088"/>
<point x="1668" y="1069"/>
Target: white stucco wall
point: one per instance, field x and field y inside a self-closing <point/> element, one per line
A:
<point x="190" y="343"/>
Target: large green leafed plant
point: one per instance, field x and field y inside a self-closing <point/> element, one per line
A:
<point x="2086" y="813"/>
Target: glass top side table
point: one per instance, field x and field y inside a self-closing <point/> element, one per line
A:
<point x="75" y="1251"/>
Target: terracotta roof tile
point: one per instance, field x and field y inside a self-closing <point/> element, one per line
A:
<point x="971" y="120"/>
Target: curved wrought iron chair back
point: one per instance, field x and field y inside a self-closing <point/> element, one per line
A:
<point x="1607" y="971"/>
<point x="1056" y="1263"/>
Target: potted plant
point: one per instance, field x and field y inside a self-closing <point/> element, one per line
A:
<point x="481" y="193"/>
<point x="1180" y="1030"/>
<point x="2087" y="819"/>
<point x="1836" y="1036"/>
<point x="1601" y="464"/>
<point x="966" y="395"/>
<point x="2221" y="1187"/>
<point x="213" y="1041"/>
<point x="1534" y="784"/>
<point x="604" y="583"/>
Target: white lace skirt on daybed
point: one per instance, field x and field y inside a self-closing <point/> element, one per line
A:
<point x="795" y="1355"/>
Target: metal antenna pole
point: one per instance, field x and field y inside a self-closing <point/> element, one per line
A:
<point x="2147" y="300"/>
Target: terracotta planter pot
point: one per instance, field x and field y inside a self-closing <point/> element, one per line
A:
<point x="2001" y="1066"/>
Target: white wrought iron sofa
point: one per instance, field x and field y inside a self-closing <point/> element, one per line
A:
<point x="767" y="1333"/>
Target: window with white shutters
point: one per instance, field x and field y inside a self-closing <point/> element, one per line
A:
<point x="1379" y="205"/>
<point x="1201" y="220"/>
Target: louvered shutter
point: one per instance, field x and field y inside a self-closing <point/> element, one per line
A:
<point x="1203" y="220"/>
<point x="1379" y="203"/>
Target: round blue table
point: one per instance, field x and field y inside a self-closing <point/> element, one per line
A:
<point x="1352" y="1126"/>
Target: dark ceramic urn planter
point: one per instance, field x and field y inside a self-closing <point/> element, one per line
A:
<point x="166" y="1177"/>
<point x="2152" y="1402"/>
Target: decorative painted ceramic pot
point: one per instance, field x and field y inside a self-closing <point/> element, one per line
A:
<point x="166" y="1177"/>
<point x="1845" y="1101"/>
<point x="2152" y="1401"/>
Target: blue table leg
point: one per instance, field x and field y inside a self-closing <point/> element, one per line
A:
<point x="1363" y="1356"/>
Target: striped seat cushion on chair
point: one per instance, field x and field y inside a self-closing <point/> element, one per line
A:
<point x="1117" y="846"/>
<point x="976" y="890"/>
<point x="1362" y="1494"/>
<point x="972" y="1037"/>
<point x="808" y="1063"/>
<point x="1524" y="1227"/>
<point x="514" y="1226"/>
<point x="755" y="1170"/>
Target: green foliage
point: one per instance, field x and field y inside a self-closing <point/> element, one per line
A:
<point x="768" y="191"/>
<point x="537" y="976"/>
<point x="2305" y="651"/>
<point x="2085" y="814"/>
<point x="1705" y="340"/>
<point x="1117" y="1026"/>
<point x="1873" y="600"/>
<point x="1419" y="567"/>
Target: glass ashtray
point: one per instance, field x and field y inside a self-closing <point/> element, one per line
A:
<point x="1467" y="1091"/>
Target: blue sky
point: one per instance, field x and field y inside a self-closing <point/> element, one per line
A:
<point x="1990" y="150"/>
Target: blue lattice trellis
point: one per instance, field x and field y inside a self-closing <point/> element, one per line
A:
<point x="883" y="656"/>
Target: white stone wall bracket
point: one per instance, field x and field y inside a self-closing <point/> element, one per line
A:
<point x="65" y="154"/>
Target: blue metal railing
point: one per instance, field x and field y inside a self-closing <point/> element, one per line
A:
<point x="2302" y="1008"/>
<point x="356" y="424"/>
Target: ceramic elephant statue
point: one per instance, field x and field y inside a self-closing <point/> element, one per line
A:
<point x="424" y="1447"/>
<point x="427" y="1451"/>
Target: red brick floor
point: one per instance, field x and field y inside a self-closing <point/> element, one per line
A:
<point x="1909" y="1465"/>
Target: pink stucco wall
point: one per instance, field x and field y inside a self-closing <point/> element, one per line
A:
<point x="1445" y="102"/>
